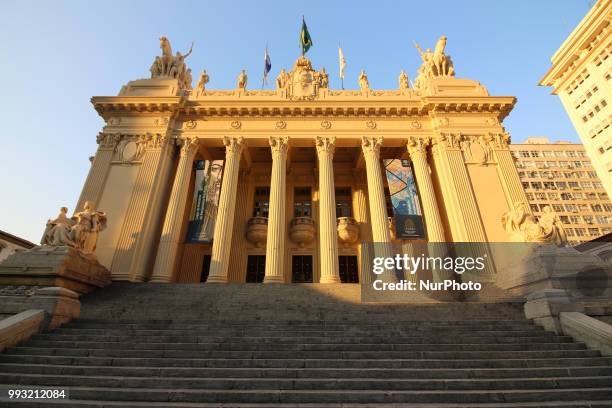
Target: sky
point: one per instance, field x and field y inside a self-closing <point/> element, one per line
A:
<point x="59" y="54"/>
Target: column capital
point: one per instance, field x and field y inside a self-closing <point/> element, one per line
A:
<point x="371" y="144"/>
<point x="279" y="145"/>
<point x="233" y="144"/>
<point x="417" y="145"/>
<point x="189" y="145"/>
<point x="325" y="144"/>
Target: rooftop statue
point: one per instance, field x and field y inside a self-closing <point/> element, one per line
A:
<point x="242" y="80"/>
<point x="435" y="64"/>
<point x="364" y="84"/>
<point x="403" y="80"/>
<point x="282" y="79"/>
<point x="80" y="231"/>
<point x="202" y="81"/>
<point x="172" y="66"/>
<point x="324" y="78"/>
<point x="523" y="227"/>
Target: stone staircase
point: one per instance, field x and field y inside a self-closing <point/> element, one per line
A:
<point x="267" y="346"/>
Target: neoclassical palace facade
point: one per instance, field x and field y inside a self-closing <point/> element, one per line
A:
<point x="295" y="177"/>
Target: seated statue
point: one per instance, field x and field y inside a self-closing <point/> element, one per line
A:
<point x="58" y="231"/>
<point x="79" y="232"/>
<point x="523" y="227"/>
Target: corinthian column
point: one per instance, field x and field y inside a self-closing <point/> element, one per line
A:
<point x="378" y="209"/>
<point x="275" y="248"/>
<point x="170" y="240"/>
<point x="417" y="148"/>
<point x="224" y="224"/>
<point x="376" y="194"/>
<point x="328" y="233"/>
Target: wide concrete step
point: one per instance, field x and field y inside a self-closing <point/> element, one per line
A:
<point x="306" y="383"/>
<point x="239" y="346"/>
<point x="450" y="363"/>
<point x="72" y="403"/>
<point x="337" y="396"/>
<point x="459" y="354"/>
<point x="374" y="338"/>
<point x="377" y="373"/>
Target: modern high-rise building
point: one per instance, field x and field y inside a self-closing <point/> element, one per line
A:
<point x="582" y="77"/>
<point x="560" y="175"/>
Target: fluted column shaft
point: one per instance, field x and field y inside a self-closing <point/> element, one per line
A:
<point x="417" y="148"/>
<point x="328" y="233"/>
<point x="165" y="262"/>
<point x="376" y="191"/>
<point x="376" y="195"/>
<point x="275" y="247"/>
<point x="224" y="225"/>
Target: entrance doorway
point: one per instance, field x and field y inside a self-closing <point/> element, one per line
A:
<point x="256" y="268"/>
<point x="349" y="273"/>
<point x="301" y="268"/>
<point x="205" y="268"/>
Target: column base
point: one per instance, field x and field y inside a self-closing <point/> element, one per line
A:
<point x="161" y="279"/>
<point x="330" y="279"/>
<point x="273" y="279"/>
<point x="216" y="279"/>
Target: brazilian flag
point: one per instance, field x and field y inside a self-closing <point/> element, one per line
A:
<point x="305" y="40"/>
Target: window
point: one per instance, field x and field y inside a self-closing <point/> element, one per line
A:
<point x="593" y="231"/>
<point x="571" y="208"/>
<point x="534" y="153"/>
<point x="558" y="208"/>
<point x="601" y="219"/>
<point x="256" y="268"/>
<point x="535" y="208"/>
<point x="524" y="153"/>
<point x="569" y="232"/>
<point x="561" y="185"/>
<point x="574" y="219"/>
<point x="581" y="232"/>
<point x="261" y="206"/>
<point x="349" y="273"/>
<point x="607" y="207"/>
<point x="588" y="219"/>
<point x="549" y="185"/>
<point x="596" y="207"/>
<point x="536" y="185"/>
<point x="564" y="219"/>
<point x="301" y="268"/>
<point x="302" y="202"/>
<point x="344" y="207"/>
<point x="566" y="196"/>
<point x="529" y="196"/>
<point x="541" y="196"/>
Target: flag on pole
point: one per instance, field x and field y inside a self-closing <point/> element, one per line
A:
<point x="305" y="40"/>
<point x="342" y="62"/>
<point x="267" y="66"/>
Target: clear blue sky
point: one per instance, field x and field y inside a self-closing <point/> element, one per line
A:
<point x="57" y="54"/>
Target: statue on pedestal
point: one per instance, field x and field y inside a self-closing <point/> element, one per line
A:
<point x="242" y="80"/>
<point x="364" y="84"/>
<point x="435" y="64"/>
<point x="324" y="78"/>
<point x="403" y="80"/>
<point x="79" y="232"/>
<point x="523" y="227"/>
<point x="282" y="79"/>
<point x="172" y="66"/>
<point x="202" y="81"/>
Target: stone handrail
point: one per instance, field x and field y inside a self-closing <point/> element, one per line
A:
<point x="594" y="333"/>
<point x="20" y="327"/>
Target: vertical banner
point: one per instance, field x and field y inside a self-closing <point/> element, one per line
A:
<point x="405" y="199"/>
<point x="205" y="200"/>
